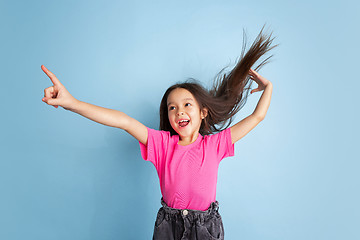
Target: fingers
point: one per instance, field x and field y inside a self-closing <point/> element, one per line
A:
<point x="52" y="76"/>
<point x="49" y="92"/>
<point x="255" y="90"/>
<point x="46" y="100"/>
<point x="252" y="72"/>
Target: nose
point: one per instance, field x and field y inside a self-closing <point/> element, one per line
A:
<point x="180" y="111"/>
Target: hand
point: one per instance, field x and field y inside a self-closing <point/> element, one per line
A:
<point x="260" y="80"/>
<point x="57" y="95"/>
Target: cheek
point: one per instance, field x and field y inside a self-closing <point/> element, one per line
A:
<point x="170" y="117"/>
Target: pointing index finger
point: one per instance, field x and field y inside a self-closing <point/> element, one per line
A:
<point x="52" y="76"/>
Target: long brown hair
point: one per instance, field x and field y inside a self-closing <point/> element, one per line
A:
<point x="229" y="92"/>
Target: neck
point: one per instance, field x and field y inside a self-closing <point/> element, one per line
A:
<point x="186" y="140"/>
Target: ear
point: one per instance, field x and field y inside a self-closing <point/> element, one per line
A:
<point x="204" y="113"/>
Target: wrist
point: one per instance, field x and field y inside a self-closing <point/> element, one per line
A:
<point x="74" y="106"/>
<point x="268" y="84"/>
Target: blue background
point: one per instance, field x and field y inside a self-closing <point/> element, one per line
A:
<point x="62" y="176"/>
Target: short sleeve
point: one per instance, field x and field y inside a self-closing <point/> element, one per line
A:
<point x="154" y="150"/>
<point x="223" y="144"/>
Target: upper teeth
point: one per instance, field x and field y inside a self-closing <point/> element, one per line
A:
<point x="183" y="121"/>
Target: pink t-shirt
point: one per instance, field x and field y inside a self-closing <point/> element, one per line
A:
<point x="187" y="174"/>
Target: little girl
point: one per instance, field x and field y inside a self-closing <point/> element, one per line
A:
<point x="186" y="151"/>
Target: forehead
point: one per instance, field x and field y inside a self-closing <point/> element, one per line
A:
<point x="179" y="95"/>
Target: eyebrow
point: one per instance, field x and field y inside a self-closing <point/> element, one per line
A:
<point x="183" y="100"/>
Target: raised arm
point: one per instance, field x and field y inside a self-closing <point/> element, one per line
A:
<point x="243" y="127"/>
<point x="112" y="118"/>
<point x="57" y="95"/>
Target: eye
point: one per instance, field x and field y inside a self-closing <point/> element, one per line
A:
<point x="171" y="108"/>
<point x="187" y="103"/>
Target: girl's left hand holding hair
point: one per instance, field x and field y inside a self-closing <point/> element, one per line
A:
<point x="260" y="80"/>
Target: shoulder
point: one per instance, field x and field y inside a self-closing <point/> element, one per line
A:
<point x="219" y="138"/>
<point x="224" y="133"/>
<point x="160" y="134"/>
<point x="220" y="143"/>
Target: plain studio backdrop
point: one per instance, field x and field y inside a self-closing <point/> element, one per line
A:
<point x="62" y="176"/>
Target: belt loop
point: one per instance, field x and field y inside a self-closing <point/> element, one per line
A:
<point x="216" y="206"/>
<point x="202" y="219"/>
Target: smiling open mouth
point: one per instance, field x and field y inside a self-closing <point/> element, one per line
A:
<point x="184" y="123"/>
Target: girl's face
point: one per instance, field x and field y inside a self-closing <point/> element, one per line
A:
<point x="184" y="112"/>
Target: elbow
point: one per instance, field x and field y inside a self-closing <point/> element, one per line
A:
<point x="259" y="117"/>
<point x="123" y="121"/>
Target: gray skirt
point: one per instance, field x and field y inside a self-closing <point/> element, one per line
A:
<point x="181" y="224"/>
